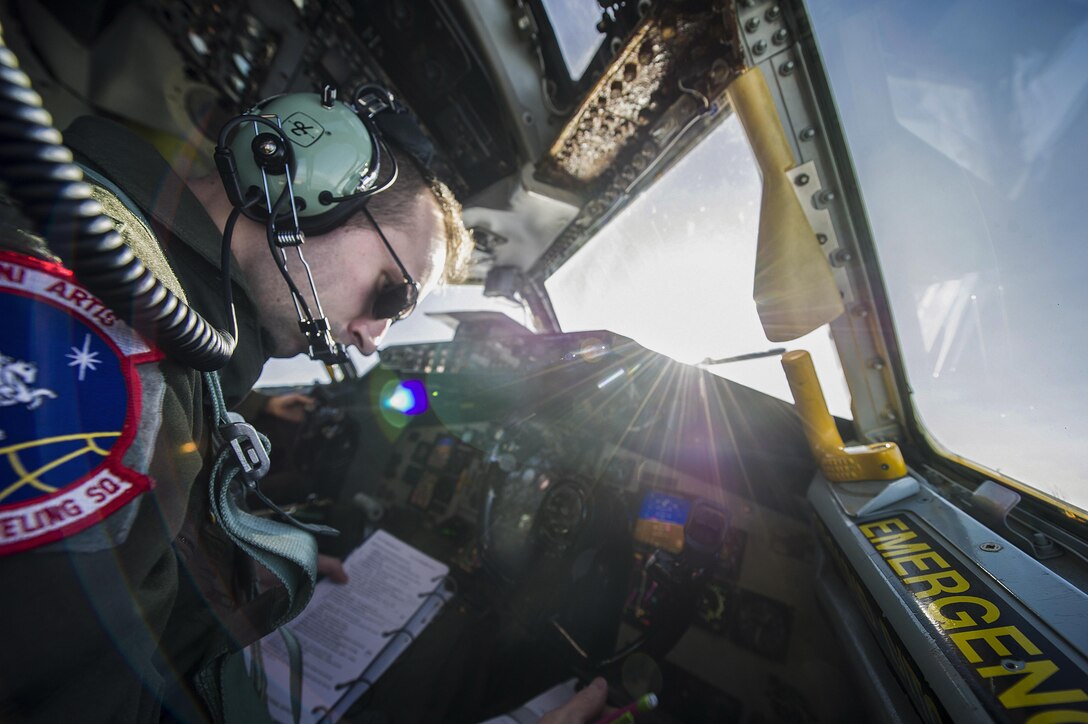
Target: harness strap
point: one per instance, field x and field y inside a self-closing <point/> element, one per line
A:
<point x="288" y="553"/>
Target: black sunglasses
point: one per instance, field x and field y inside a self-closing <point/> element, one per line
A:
<point x="395" y="301"/>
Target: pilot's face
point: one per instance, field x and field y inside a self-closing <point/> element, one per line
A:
<point x="351" y="266"/>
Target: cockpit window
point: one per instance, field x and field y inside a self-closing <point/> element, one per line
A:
<point x="574" y="23"/>
<point x="674" y="272"/>
<point x="965" y="124"/>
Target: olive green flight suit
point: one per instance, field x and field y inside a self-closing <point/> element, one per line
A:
<point x="117" y="623"/>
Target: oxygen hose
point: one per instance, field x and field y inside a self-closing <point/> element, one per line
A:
<point x="38" y="172"/>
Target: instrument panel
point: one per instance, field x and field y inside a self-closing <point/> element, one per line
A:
<point x="603" y="499"/>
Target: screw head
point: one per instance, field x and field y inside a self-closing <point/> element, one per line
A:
<point x="990" y="547"/>
<point x="268" y="147"/>
<point x="841" y="257"/>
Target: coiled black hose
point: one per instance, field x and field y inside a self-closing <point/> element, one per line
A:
<point x="38" y="172"/>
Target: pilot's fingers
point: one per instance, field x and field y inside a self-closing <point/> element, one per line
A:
<point x="583" y="708"/>
<point x="291" y="407"/>
<point x="331" y="567"/>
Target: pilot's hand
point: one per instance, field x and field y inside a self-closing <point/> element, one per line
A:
<point x="584" y="707"/>
<point x="291" y="407"/>
<point x="331" y="568"/>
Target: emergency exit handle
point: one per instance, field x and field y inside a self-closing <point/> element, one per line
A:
<point x="838" y="462"/>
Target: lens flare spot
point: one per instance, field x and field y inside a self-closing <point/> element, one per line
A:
<point x="408" y="397"/>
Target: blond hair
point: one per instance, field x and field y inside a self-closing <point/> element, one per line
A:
<point x="399" y="200"/>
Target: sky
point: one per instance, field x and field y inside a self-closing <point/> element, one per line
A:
<point x="970" y="154"/>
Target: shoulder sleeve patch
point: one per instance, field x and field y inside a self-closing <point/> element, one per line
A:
<point x="70" y="406"/>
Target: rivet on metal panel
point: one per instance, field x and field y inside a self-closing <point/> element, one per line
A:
<point x="752" y="25"/>
<point x="822" y="238"/>
<point x="876" y="363"/>
<point x="841" y="257"/>
<point x="990" y="547"/>
<point x="786" y="68"/>
<point x="822" y="199"/>
<point x="780" y="36"/>
<point x="802" y="179"/>
<point x="808" y="134"/>
<point x="760" y="47"/>
<point x="860" y="310"/>
<point x="774" y="13"/>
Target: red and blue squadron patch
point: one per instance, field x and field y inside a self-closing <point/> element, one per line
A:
<point x="70" y="403"/>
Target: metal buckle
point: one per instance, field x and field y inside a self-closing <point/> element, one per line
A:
<point x="253" y="462"/>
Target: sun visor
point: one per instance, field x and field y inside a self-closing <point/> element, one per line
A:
<point x="794" y="290"/>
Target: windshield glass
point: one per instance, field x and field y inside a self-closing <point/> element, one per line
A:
<point x="674" y="272"/>
<point x="963" y="120"/>
<point x="575" y="25"/>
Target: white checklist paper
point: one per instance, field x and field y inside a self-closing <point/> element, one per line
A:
<point x="351" y="633"/>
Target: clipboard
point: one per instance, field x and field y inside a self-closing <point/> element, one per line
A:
<point x="350" y="634"/>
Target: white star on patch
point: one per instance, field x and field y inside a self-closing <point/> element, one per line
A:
<point x="84" y="358"/>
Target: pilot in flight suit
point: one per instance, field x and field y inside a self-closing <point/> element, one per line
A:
<point x="125" y="597"/>
<point x="102" y="623"/>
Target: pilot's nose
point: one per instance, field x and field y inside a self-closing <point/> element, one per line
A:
<point x="367" y="333"/>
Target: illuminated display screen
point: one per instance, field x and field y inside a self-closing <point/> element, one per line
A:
<point x="665" y="508"/>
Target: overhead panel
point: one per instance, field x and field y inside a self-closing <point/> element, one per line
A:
<point x="671" y="72"/>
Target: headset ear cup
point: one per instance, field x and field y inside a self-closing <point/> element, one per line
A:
<point x="326" y="146"/>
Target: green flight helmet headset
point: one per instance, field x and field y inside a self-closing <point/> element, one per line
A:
<point x="304" y="163"/>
